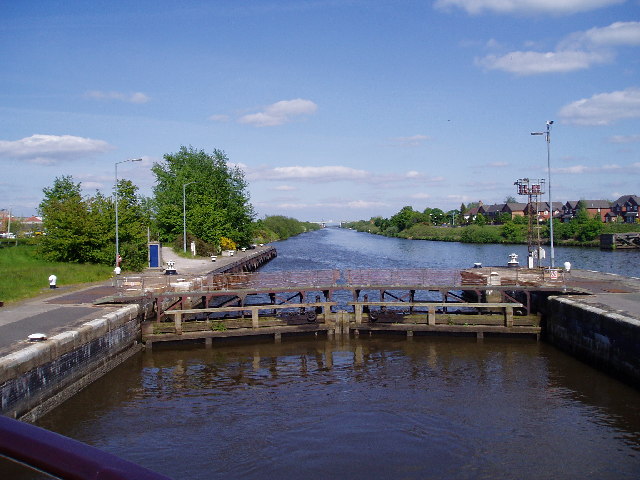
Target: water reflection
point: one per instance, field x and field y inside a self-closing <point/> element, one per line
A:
<point x="339" y="248"/>
<point x="362" y="407"/>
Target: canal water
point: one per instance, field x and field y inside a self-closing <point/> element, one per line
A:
<point x="369" y="407"/>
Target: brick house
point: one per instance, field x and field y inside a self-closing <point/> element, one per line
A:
<point x="543" y="210"/>
<point x="625" y="208"/>
<point x="470" y="215"/>
<point x="595" y="208"/>
<point x="515" y="209"/>
<point x="491" y="212"/>
<point x="33" y="224"/>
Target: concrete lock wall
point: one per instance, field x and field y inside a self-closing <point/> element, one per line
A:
<point x="40" y="377"/>
<point x="607" y="339"/>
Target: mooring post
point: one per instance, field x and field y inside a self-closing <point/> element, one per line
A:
<point x="177" y="320"/>
<point x="431" y="316"/>
<point x="412" y="296"/>
<point x="508" y="316"/>
<point x="358" y="308"/>
<point x="254" y="317"/>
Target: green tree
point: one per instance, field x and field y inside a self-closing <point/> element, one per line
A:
<point x="380" y="222"/>
<point x="133" y="221"/>
<point x="480" y="220"/>
<point x="285" y="227"/>
<point x="82" y="230"/>
<point x="514" y="232"/>
<point x="403" y="219"/>
<point x="453" y="217"/>
<point x="502" y="218"/>
<point x="438" y="217"/>
<point x="66" y="220"/>
<point x="217" y="202"/>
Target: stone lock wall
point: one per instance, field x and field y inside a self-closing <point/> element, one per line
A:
<point x="606" y="339"/>
<point x="36" y="379"/>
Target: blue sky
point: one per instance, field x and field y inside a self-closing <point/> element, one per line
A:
<point x="335" y="109"/>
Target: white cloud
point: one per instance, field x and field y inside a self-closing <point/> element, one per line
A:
<point x="574" y="169"/>
<point x="412" y="141"/>
<point x="624" y="138"/>
<point x="337" y="173"/>
<point x="603" y="108"/>
<point x="533" y="63"/>
<point x="578" y="51"/>
<point x="321" y="174"/>
<point x="285" y="188"/>
<point x="580" y="169"/>
<point x="362" y="204"/>
<point x="420" y="196"/>
<point x="351" y="204"/>
<point x="219" y="118"/>
<point x="280" y="112"/>
<point x="92" y="185"/>
<point x="48" y="149"/>
<point x="526" y="7"/>
<point x="614" y="35"/>
<point x="136" y="97"/>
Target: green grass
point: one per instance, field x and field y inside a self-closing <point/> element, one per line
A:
<point x="24" y="275"/>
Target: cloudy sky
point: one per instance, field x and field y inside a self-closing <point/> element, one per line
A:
<point x="335" y="109"/>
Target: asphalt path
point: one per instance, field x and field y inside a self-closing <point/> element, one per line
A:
<point x="56" y="310"/>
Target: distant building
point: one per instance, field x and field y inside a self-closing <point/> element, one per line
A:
<point x="4" y="220"/>
<point x="543" y="210"/>
<point x="515" y="209"/>
<point x="595" y="208"/>
<point x="624" y="209"/>
<point x="491" y="212"/>
<point x="33" y="224"/>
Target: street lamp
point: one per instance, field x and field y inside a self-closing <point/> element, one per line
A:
<point x="116" y="192"/>
<point x="184" y="215"/>
<point x="548" y="136"/>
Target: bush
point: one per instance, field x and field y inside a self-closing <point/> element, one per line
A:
<point x="481" y="234"/>
<point x="514" y="233"/>
<point x="227" y="244"/>
<point x="202" y="247"/>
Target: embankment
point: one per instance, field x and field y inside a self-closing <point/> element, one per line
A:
<point x="596" y="332"/>
<point x="41" y="376"/>
<point x="37" y="378"/>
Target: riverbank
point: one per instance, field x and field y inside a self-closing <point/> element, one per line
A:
<point x="79" y="340"/>
<point x="509" y="233"/>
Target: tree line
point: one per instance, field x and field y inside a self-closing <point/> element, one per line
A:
<point x="212" y="193"/>
<point x="434" y="224"/>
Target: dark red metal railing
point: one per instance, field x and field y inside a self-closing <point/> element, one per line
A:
<point x="63" y="457"/>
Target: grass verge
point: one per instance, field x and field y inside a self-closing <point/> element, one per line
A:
<point x="24" y="275"/>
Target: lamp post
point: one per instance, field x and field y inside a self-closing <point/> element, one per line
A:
<point x="548" y="137"/>
<point x="184" y="215"/>
<point x="116" y="192"/>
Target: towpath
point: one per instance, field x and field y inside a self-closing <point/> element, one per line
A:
<point x="54" y="311"/>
